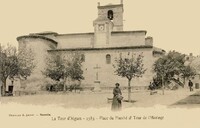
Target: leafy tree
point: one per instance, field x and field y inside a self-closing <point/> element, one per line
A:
<point x="169" y="65"/>
<point x="74" y="68"/>
<point x="62" y="68"/>
<point x="130" y="67"/>
<point x="26" y="62"/>
<point x="13" y="64"/>
<point x="187" y="72"/>
<point x="55" y="68"/>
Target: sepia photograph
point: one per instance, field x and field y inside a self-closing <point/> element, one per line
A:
<point x="99" y="63"/>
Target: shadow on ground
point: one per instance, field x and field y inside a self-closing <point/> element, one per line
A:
<point x="192" y="100"/>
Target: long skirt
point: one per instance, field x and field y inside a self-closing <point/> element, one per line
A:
<point x="116" y="104"/>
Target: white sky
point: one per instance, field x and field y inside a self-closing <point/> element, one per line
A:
<point x="174" y="24"/>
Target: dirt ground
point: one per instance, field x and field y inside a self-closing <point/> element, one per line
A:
<point x="99" y="99"/>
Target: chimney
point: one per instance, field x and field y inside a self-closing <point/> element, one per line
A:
<point x="98" y="4"/>
<point x="149" y="41"/>
<point x="121" y="1"/>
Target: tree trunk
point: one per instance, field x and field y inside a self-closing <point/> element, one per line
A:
<point x="64" y="86"/>
<point x="1" y="84"/>
<point x="163" y="85"/>
<point x="129" y="90"/>
<point x="183" y="82"/>
<point x="0" y="91"/>
<point x="3" y="91"/>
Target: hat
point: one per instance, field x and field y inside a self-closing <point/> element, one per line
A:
<point x="117" y="84"/>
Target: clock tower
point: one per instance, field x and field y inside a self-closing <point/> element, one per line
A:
<point x="110" y="18"/>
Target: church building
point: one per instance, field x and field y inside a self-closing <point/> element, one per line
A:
<point x="99" y="49"/>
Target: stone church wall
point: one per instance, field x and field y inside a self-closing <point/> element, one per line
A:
<point x="75" y="40"/>
<point x="86" y="40"/>
<point x="106" y="74"/>
<point x="39" y="48"/>
<point x="127" y="39"/>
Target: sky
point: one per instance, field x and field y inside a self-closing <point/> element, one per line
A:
<point x="173" y="24"/>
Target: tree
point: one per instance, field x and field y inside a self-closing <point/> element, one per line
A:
<point x="14" y="64"/>
<point x="130" y="67"/>
<point x="187" y="72"/>
<point x="26" y="62"/>
<point x="169" y="65"/>
<point x="75" y="71"/>
<point x="62" y="68"/>
<point x="55" y="68"/>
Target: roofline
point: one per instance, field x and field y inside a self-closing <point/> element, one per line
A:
<point x="139" y="31"/>
<point x="109" y="6"/>
<point x="158" y="51"/>
<point x="37" y="36"/>
<point x="70" y="34"/>
<point x="113" y="32"/>
<point x="106" y="48"/>
<point x="44" y="33"/>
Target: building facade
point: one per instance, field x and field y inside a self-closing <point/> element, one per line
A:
<point x="99" y="49"/>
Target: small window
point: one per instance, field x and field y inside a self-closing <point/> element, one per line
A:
<point x="110" y="15"/>
<point x="108" y="59"/>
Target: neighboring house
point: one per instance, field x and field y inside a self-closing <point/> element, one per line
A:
<point x="194" y="61"/>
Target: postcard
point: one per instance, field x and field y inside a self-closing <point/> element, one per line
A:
<point x="99" y="63"/>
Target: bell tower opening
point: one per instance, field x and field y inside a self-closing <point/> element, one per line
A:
<point x="110" y="14"/>
<point x="110" y="18"/>
<point x="113" y="13"/>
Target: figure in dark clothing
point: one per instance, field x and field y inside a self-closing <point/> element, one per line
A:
<point x="151" y="86"/>
<point x="190" y="84"/>
<point x="117" y="102"/>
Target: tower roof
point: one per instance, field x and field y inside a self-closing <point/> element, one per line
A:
<point x="44" y="33"/>
<point x="35" y="37"/>
<point x="110" y="6"/>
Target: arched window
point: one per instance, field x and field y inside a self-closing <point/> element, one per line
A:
<point x="108" y="59"/>
<point x="110" y="15"/>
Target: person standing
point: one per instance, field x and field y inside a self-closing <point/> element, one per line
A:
<point x="151" y="88"/>
<point x="190" y="84"/>
<point x="117" y="98"/>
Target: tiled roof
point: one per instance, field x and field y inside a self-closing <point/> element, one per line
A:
<point x="158" y="50"/>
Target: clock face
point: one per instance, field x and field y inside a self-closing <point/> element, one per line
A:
<point x="101" y="27"/>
